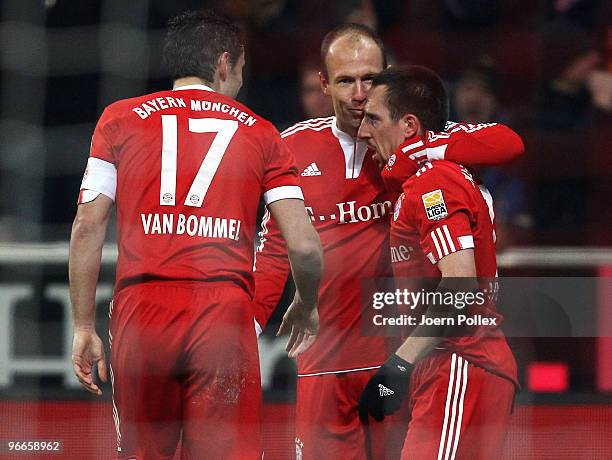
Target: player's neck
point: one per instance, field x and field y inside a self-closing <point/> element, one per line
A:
<point x="347" y="128"/>
<point x="187" y="81"/>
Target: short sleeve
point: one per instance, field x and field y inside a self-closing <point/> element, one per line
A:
<point x="281" y="179"/>
<point x="442" y="213"/>
<point x="100" y="175"/>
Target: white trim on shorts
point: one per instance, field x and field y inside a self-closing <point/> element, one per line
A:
<point x="453" y="410"/>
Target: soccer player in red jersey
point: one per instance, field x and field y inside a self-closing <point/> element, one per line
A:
<point x="186" y="169"/>
<point x="350" y="208"/>
<point x="460" y="386"/>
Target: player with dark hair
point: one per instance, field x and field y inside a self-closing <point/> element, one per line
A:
<point x="350" y="208"/>
<point x="460" y="386"/>
<point x="186" y="169"/>
<point x="417" y="90"/>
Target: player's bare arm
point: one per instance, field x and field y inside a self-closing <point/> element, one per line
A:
<point x="86" y="241"/>
<point x="456" y="268"/>
<point x="306" y="258"/>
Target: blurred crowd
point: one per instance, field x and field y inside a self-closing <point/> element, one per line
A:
<point x="544" y="67"/>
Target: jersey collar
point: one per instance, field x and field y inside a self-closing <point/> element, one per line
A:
<point x="197" y="86"/>
<point x="341" y="134"/>
<point x="354" y="151"/>
<point x="401" y="165"/>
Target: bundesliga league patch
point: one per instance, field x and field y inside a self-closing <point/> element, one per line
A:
<point x="435" y="207"/>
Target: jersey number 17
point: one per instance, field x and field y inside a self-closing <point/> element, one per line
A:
<point x="225" y="130"/>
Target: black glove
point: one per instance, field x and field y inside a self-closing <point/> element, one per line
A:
<point x="386" y="390"/>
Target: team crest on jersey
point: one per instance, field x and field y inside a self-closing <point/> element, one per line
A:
<point x="435" y="207"/>
<point x="398" y="206"/>
<point x="391" y="160"/>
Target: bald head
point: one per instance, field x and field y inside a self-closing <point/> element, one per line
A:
<point x="350" y="37"/>
<point x="352" y="56"/>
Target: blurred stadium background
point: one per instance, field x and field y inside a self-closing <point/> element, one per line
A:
<point x="542" y="66"/>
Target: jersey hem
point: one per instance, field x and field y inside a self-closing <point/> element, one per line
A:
<point x="342" y="371"/>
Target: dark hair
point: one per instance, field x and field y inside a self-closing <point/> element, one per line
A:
<point x="349" y="29"/>
<point x="417" y="90"/>
<point x="194" y="42"/>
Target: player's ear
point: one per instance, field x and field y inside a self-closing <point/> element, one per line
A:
<point x="323" y="82"/>
<point x="411" y="125"/>
<point x="224" y="65"/>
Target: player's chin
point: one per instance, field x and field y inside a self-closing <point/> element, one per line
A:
<point x="355" y="115"/>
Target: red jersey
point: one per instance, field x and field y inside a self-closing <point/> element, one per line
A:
<point x="187" y="169"/>
<point x="350" y="208"/>
<point x="441" y="211"/>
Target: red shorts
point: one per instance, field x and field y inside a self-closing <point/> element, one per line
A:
<point x="184" y="362"/>
<point x="458" y="410"/>
<point x="327" y="421"/>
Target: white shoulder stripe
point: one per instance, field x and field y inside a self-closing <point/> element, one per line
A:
<point x="314" y="120"/>
<point x="311" y="122"/>
<point x="302" y="128"/>
<point x="321" y="124"/>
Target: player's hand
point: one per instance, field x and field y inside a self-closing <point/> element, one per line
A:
<point x="303" y="322"/>
<point x="386" y="390"/>
<point x="88" y="351"/>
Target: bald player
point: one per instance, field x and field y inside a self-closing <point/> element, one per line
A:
<point x="350" y="208"/>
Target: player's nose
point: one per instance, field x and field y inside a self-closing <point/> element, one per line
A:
<point x="362" y="132"/>
<point x="359" y="91"/>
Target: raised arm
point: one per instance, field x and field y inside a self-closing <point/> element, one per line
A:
<point x="485" y="144"/>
